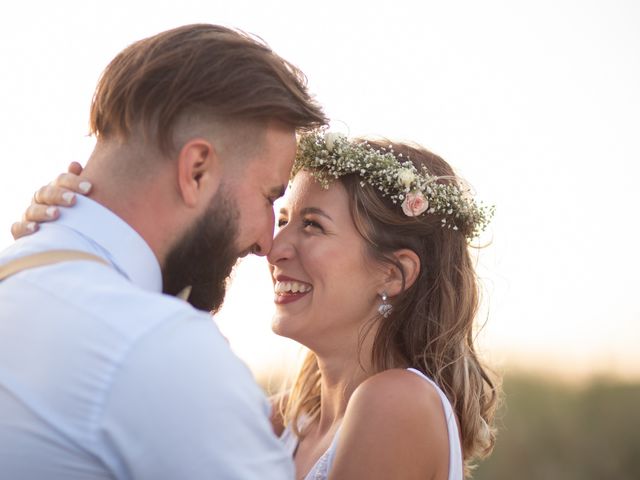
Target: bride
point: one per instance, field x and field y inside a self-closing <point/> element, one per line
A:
<point x="372" y="273"/>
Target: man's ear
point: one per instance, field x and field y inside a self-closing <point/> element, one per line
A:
<point x="199" y="171"/>
<point x="410" y="262"/>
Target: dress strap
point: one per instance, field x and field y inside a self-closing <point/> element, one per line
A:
<point x="456" y="463"/>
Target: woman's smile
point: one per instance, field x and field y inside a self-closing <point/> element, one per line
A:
<point x="288" y="290"/>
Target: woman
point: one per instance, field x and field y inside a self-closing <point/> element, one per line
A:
<point x="372" y="273"/>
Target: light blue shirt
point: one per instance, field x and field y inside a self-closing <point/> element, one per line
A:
<point x="102" y="376"/>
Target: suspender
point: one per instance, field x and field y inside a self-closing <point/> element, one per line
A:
<point x="58" y="256"/>
<point x="46" y="258"/>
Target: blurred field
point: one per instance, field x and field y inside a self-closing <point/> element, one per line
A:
<point x="553" y="430"/>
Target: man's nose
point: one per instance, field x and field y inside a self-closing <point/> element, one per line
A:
<point x="263" y="246"/>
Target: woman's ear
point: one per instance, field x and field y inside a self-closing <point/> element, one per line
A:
<point x="410" y="263"/>
<point x="199" y="171"/>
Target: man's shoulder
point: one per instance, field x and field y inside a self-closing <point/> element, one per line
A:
<point x="129" y="310"/>
<point x="90" y="298"/>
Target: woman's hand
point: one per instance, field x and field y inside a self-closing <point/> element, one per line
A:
<point x="44" y="205"/>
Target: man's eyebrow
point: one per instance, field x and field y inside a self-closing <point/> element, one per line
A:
<point x="277" y="191"/>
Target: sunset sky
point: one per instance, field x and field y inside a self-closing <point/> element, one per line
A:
<point x="537" y="105"/>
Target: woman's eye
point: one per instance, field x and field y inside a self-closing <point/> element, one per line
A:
<point x="310" y="223"/>
<point x="281" y="222"/>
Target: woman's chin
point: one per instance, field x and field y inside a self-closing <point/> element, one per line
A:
<point x="283" y="326"/>
<point x="279" y="326"/>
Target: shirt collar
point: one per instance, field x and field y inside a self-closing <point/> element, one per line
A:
<point x="123" y="246"/>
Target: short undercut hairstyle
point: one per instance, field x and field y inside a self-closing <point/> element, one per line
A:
<point x="198" y="69"/>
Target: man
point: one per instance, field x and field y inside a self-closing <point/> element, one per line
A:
<point x="101" y="375"/>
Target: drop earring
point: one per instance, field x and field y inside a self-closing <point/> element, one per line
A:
<point x="385" y="308"/>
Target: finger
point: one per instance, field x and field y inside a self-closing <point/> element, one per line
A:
<point x="21" y="229"/>
<point x="54" y="195"/>
<point x="75" y="168"/>
<point x="73" y="182"/>
<point x="40" y="213"/>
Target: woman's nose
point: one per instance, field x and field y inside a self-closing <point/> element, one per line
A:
<point x="281" y="248"/>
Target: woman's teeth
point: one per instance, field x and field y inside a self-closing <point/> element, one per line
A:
<point x="292" y="287"/>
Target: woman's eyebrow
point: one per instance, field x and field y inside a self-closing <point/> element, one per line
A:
<point x="315" y="210"/>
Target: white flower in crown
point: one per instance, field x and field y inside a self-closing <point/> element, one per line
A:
<point x="330" y="139"/>
<point x="406" y="177"/>
<point x="414" y="204"/>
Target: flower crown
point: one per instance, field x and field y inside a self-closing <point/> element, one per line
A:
<point x="328" y="156"/>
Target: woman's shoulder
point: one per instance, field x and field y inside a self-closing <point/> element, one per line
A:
<point x="398" y="388"/>
<point x="396" y="421"/>
<point x="397" y="402"/>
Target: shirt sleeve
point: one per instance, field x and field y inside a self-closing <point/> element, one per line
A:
<point x="183" y="406"/>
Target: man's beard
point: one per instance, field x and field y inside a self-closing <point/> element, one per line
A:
<point x="205" y="255"/>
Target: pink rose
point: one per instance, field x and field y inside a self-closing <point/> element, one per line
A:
<point x="414" y="204"/>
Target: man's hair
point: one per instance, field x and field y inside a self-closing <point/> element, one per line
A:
<point x="198" y="69"/>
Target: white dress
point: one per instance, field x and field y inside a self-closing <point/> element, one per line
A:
<point x="320" y="471"/>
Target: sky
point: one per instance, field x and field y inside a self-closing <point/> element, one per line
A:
<point x="536" y="104"/>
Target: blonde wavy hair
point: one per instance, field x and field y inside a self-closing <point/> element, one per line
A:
<point x="431" y="327"/>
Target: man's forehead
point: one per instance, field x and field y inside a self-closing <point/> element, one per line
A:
<point x="270" y="168"/>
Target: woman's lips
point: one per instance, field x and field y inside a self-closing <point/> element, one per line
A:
<point x="289" y="290"/>
<point x="284" y="298"/>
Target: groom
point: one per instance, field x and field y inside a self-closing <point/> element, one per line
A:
<point x="102" y="376"/>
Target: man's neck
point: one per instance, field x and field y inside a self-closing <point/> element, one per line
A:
<point x="142" y="202"/>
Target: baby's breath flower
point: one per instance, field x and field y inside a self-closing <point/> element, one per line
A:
<point x="406" y="177"/>
<point x="331" y="138"/>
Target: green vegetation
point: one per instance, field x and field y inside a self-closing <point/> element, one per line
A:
<point x="550" y="430"/>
